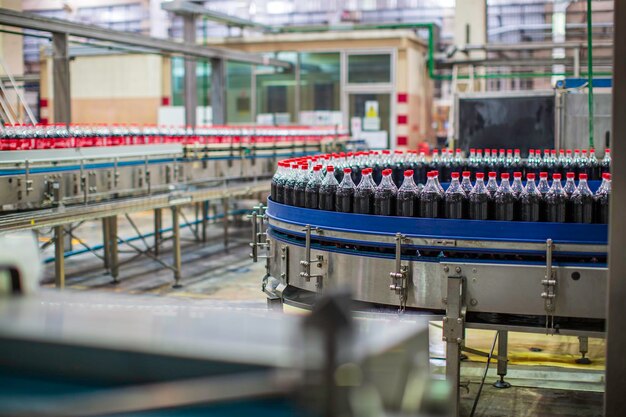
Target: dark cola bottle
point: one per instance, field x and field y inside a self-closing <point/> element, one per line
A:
<point x="605" y="165"/>
<point x="299" y="185"/>
<point x="276" y="179"/>
<point x="594" y="164"/>
<point x="454" y="199"/>
<point x="545" y="165"/>
<point x="420" y="170"/>
<point x="508" y="162"/>
<point x="312" y="191"/>
<point x="500" y="162"/>
<point x="530" y="201"/>
<point x="581" y="202"/>
<point x="569" y="188"/>
<point x="568" y="163"/>
<point x="517" y="187"/>
<point x="516" y="165"/>
<point x="576" y="162"/>
<point x="364" y="193"/>
<point x="492" y="188"/>
<point x="601" y="200"/>
<point x="479" y="199"/>
<point x="278" y="183"/>
<point x="407" y="200"/>
<point x="431" y="198"/>
<point x="290" y="182"/>
<point x="328" y="190"/>
<point x="556" y="201"/>
<point x="486" y="165"/>
<point x="385" y="195"/>
<point x="532" y="165"/>
<point x="435" y="160"/>
<point x="398" y="167"/>
<point x="583" y="166"/>
<point x="466" y="184"/>
<point x="344" y="197"/>
<point x="543" y="185"/>
<point x="504" y="200"/>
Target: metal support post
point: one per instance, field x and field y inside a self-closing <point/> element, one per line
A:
<point x="176" y="247"/>
<point x="205" y="215"/>
<point x="61" y="78"/>
<point x="503" y="340"/>
<point x="614" y="398"/>
<point x="218" y="90"/>
<point x="106" y="245"/>
<point x="225" y="221"/>
<point x="453" y="335"/>
<point x="158" y="226"/>
<point x="191" y="81"/>
<point x="113" y="260"/>
<point x="59" y="257"/>
<point x="583" y="348"/>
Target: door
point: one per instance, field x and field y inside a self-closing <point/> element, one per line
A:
<point x="369" y="115"/>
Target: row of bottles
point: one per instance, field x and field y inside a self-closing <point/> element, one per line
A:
<point x="317" y="187"/>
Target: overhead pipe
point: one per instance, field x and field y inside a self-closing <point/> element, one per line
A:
<point x="590" y="73"/>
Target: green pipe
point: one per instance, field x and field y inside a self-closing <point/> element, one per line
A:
<point x="590" y="73"/>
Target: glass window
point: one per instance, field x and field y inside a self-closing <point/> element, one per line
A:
<point x="203" y="74"/>
<point x="364" y="69"/>
<point x="320" y="81"/>
<point x="239" y="92"/>
<point x="276" y="91"/>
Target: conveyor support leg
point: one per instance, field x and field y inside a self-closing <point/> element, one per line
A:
<point x="225" y="222"/>
<point x="113" y="260"/>
<point x="59" y="260"/>
<point x="176" y="248"/>
<point x="503" y="336"/>
<point x="205" y="215"/>
<point x="453" y="335"/>
<point x="158" y="226"/>
<point x="583" y="343"/>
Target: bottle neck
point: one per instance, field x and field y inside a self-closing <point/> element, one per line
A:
<point x="583" y="187"/>
<point x="531" y="187"/>
<point x="505" y="185"/>
<point x="347" y="181"/>
<point x="387" y="182"/>
<point x="408" y="182"/>
<point x="556" y="186"/>
<point x="330" y="178"/>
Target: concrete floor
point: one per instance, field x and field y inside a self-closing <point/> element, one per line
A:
<point x="211" y="274"/>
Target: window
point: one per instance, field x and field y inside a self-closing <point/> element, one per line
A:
<point x="276" y="91"/>
<point x="366" y="69"/>
<point x="238" y="92"/>
<point x="319" y="81"/>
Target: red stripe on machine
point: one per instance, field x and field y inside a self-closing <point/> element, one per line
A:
<point x="403" y="97"/>
<point x="402" y="140"/>
<point x="403" y="119"/>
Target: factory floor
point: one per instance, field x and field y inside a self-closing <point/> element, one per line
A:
<point x="552" y="385"/>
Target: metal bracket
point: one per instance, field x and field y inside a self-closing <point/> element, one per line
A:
<point x="454" y="321"/>
<point x="549" y="288"/>
<point x="306" y="263"/>
<point x="284" y="263"/>
<point x="400" y="277"/>
<point x="259" y="238"/>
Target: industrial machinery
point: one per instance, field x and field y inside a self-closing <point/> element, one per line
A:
<point x="522" y="276"/>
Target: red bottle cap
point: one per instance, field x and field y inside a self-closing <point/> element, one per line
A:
<point x="543" y="175"/>
<point x="455" y="175"/>
<point x="386" y="172"/>
<point x="569" y="151"/>
<point x="584" y="151"/>
<point x="530" y="176"/>
<point x="466" y="174"/>
<point x="472" y="150"/>
<point x="561" y="151"/>
<point x="606" y="176"/>
<point x="571" y="175"/>
<point x="493" y="174"/>
<point x="435" y="173"/>
<point x="581" y="176"/>
<point x="408" y="173"/>
<point x="494" y="151"/>
<point x="505" y="176"/>
<point x="366" y="171"/>
<point x="347" y="170"/>
<point x="592" y="150"/>
<point x="553" y="152"/>
<point x="517" y="175"/>
<point x="607" y="150"/>
<point x="531" y="152"/>
<point x="556" y="177"/>
<point x="317" y="168"/>
<point x="330" y="168"/>
<point x="509" y="151"/>
<point x="480" y="175"/>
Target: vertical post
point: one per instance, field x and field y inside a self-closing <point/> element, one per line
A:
<point x="614" y="398"/>
<point x="106" y="243"/>
<point x="191" y="81"/>
<point x="218" y="90"/>
<point x="176" y="246"/>
<point x="158" y="225"/>
<point x="113" y="260"/>
<point x="205" y="215"/>
<point x="453" y="331"/>
<point x="61" y="78"/>
<point x="59" y="257"/>
<point x="503" y="344"/>
<point x="225" y="222"/>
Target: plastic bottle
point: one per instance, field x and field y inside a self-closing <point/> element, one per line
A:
<point x="276" y="184"/>
<point x="556" y="201"/>
<point x="478" y="167"/>
<point x="517" y="187"/>
<point x="479" y="199"/>
<point x="385" y="195"/>
<point x="486" y="166"/>
<point x="299" y="185"/>
<point x="560" y="162"/>
<point x="407" y="200"/>
<point x="492" y="184"/>
<point x="328" y="190"/>
<point x="466" y="183"/>
<point x="530" y="201"/>
<point x="344" y="196"/>
<point x="576" y="162"/>
<point x="568" y="163"/>
<point x="290" y="180"/>
<point x="508" y="162"/>
<point x="570" y="185"/>
<point x="545" y="162"/>
<point x="471" y="161"/>
<point x="517" y="165"/>
<point x="398" y="167"/>
<point x="434" y="161"/>
<point x="543" y="185"/>
<point x="504" y="200"/>
<point x="364" y="193"/>
<point x="605" y="165"/>
<point x="454" y="199"/>
<point x="437" y="183"/>
<point x="593" y="164"/>
<point x="312" y="191"/>
<point x="420" y="169"/>
<point x="531" y="163"/>
<point x="601" y="199"/>
<point x="582" y="202"/>
<point x="431" y="198"/>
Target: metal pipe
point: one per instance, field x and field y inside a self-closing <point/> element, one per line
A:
<point x="59" y="264"/>
<point x="590" y="73"/>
